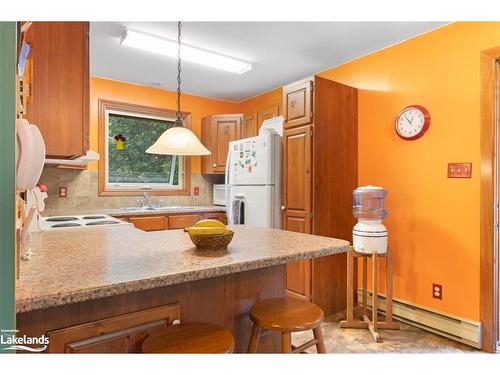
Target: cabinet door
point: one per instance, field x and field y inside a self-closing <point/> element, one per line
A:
<point x="216" y="133"/>
<point x="297" y="175"/>
<point x="221" y="216"/>
<point x="59" y="100"/>
<point x="250" y="125"/>
<point x="225" y="129"/>
<point x="266" y="114"/>
<point x="297" y="104"/>
<point x="120" y="334"/>
<point x="182" y="221"/>
<point x="149" y="223"/>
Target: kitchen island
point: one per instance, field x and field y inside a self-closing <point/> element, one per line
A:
<point x="106" y="289"/>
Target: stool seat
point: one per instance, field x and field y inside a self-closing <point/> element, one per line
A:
<point x="286" y="315"/>
<point x="205" y="338"/>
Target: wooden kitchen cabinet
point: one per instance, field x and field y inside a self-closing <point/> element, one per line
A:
<point x="266" y="114"/>
<point x="183" y="221"/>
<point x="250" y="125"/>
<point x="297" y="202"/>
<point x="216" y="133"/>
<point x="319" y="175"/>
<point x="119" y="334"/>
<point x="298" y="103"/>
<point x="149" y="223"/>
<point x="59" y="89"/>
<point x="221" y="216"/>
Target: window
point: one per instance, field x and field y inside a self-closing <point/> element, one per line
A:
<point x="125" y="167"/>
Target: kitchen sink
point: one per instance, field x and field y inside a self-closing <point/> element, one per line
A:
<point x="153" y="208"/>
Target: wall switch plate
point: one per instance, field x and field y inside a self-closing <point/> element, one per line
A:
<point x="437" y="291"/>
<point x="63" y="191"/>
<point x="196" y="190"/>
<point x="459" y="170"/>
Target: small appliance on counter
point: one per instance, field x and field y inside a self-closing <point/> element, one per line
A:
<point x="369" y="234"/>
<point x="74" y="222"/>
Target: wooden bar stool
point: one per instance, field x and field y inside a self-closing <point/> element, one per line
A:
<point x="195" y="338"/>
<point x="287" y="315"/>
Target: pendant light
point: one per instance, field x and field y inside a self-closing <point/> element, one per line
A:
<point x="178" y="140"/>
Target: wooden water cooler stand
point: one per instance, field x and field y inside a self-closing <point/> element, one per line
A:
<point x="373" y="325"/>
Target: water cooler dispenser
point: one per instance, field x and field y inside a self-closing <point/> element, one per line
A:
<point x="369" y="234"/>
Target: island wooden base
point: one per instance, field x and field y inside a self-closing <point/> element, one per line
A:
<point x="120" y="323"/>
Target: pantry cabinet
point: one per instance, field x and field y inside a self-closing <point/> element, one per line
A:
<point x="297" y="202"/>
<point x="319" y="174"/>
<point x="58" y="85"/>
<point x="216" y="133"/>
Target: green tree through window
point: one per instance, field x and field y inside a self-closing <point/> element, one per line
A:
<point x="132" y="165"/>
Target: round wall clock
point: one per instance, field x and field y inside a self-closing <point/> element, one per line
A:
<point x="412" y="122"/>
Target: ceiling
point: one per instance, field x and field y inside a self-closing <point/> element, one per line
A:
<point x="280" y="52"/>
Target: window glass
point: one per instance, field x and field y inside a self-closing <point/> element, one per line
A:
<point x="128" y="165"/>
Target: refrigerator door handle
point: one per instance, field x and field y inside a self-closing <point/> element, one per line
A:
<point x="229" y="214"/>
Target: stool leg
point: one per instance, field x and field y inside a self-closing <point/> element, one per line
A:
<point x="254" y="339"/>
<point x="320" y="342"/>
<point x="286" y="342"/>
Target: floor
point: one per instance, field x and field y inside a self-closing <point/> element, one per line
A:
<point x="408" y="339"/>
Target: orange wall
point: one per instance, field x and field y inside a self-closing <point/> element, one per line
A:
<point x="125" y="92"/>
<point x="433" y="221"/>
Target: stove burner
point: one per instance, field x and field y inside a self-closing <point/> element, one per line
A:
<point x="94" y="217"/>
<point x="65" y="225"/>
<point x="103" y="222"/>
<point x="62" y="218"/>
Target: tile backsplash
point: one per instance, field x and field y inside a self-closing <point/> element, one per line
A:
<point x="82" y="192"/>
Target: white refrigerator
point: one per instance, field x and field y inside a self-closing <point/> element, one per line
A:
<point x="253" y="181"/>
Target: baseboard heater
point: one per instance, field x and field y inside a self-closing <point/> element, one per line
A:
<point x="455" y="328"/>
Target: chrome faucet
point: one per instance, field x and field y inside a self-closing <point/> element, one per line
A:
<point x="147" y="200"/>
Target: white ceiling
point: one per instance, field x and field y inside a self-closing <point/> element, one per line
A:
<point x="280" y="52"/>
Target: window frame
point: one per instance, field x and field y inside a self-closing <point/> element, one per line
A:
<point x="107" y="106"/>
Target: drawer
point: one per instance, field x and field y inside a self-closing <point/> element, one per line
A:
<point x="182" y="221"/>
<point x="149" y="223"/>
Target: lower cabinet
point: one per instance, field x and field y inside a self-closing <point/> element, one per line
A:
<point x="120" y="334"/>
<point x="150" y="223"/>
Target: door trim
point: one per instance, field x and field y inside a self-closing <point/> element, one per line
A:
<point x="488" y="134"/>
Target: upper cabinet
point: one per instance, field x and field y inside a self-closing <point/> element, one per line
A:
<point x="250" y="125"/>
<point x="297" y="103"/>
<point x="216" y="133"/>
<point x="59" y="89"/>
<point x="266" y="114"/>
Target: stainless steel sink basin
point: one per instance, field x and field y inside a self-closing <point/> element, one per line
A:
<point x="154" y="208"/>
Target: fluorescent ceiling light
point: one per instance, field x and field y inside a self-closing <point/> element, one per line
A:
<point x="166" y="47"/>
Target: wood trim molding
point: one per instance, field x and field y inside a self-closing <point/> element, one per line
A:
<point x="109" y="104"/>
<point x="488" y="134"/>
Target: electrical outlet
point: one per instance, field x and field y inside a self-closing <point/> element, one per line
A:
<point x="63" y="191"/>
<point x="196" y="190"/>
<point x="437" y="291"/>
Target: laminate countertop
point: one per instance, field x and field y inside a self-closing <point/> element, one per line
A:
<point x="78" y="265"/>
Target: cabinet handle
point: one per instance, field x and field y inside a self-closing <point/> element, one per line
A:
<point x="214" y="165"/>
<point x="283" y="208"/>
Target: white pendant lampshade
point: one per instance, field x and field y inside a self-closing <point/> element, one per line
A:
<point x="178" y="141"/>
